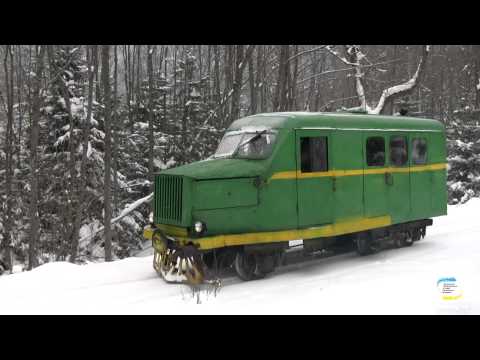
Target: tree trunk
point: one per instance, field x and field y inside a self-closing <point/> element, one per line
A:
<point x="126" y="75"/>
<point x="108" y="155"/>
<point x="476" y="75"/>
<point x="389" y="105"/>
<point x="280" y="100"/>
<point x="150" y="115"/>
<point x="165" y="75"/>
<point x="259" y="77"/>
<point x="116" y="128"/>
<point x="237" y="83"/>
<point x="34" y="138"/>
<point x="293" y="84"/>
<point x="253" y="86"/>
<point x="19" y="77"/>
<point x="263" y="85"/>
<point x="216" y="76"/>
<point x="139" y="77"/>
<point x="98" y="93"/>
<point x="240" y="64"/>
<point x="91" y="55"/>
<point x="8" y="214"/>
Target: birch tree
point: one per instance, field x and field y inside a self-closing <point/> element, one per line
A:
<point x="355" y="58"/>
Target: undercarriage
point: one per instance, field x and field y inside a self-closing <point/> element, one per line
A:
<point x="187" y="264"/>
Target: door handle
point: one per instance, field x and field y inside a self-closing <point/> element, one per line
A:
<point x="388" y="178"/>
<point x="334" y="183"/>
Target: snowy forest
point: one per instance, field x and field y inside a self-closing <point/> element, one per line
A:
<point x="83" y="128"/>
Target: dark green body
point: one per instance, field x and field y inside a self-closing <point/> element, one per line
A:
<point x="235" y="196"/>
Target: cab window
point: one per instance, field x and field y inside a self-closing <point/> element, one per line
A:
<point x="419" y="151"/>
<point x="375" y="151"/>
<point x="314" y="154"/>
<point x="398" y="150"/>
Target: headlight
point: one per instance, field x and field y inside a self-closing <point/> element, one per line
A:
<point x="199" y="227"/>
<point x="150" y="218"/>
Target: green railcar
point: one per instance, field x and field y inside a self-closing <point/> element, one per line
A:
<point x="319" y="177"/>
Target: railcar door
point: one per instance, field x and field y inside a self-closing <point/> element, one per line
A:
<point x="399" y="174"/>
<point x="314" y="181"/>
<point x="420" y="178"/>
<point x="376" y="179"/>
<point x="348" y="174"/>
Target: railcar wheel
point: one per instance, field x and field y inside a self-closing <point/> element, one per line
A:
<point x="364" y="244"/>
<point x="398" y="239"/>
<point x="247" y="267"/>
<point x="417" y="234"/>
<point x="408" y="241"/>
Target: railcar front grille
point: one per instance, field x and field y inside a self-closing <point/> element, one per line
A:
<point x="168" y="198"/>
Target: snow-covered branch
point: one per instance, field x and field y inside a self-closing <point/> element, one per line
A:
<point x="340" y="57"/>
<point x="124" y="213"/>
<point x="407" y="86"/>
<point x="355" y="57"/>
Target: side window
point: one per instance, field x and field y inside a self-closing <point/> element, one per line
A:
<point x="314" y="154"/>
<point x="419" y="151"/>
<point x="398" y="150"/>
<point x="376" y="151"/>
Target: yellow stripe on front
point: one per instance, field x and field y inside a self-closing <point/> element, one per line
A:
<point x="173" y="230"/>
<point x="335" y="229"/>
<point x="283" y="175"/>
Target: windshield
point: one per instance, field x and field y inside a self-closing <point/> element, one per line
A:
<point x="247" y="145"/>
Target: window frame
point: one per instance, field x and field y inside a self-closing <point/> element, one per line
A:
<point x="384" y="150"/>
<point x="407" y="161"/>
<point x="426" y="150"/>
<point x="326" y="157"/>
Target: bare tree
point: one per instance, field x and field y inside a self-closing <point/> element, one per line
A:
<point x="280" y="100"/>
<point x="34" y="138"/>
<point x="108" y="154"/>
<point x="116" y="127"/>
<point x="8" y="214"/>
<point x="241" y="62"/>
<point x="150" y="51"/>
<point x="355" y="56"/>
<point x="80" y="205"/>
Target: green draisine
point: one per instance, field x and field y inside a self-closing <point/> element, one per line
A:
<point x="319" y="177"/>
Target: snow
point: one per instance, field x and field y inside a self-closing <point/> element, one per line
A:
<point x="141" y="125"/>
<point x="89" y="150"/>
<point x="394" y="281"/>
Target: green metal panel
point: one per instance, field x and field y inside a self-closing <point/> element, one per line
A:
<point x="172" y="203"/>
<point x="420" y="182"/>
<point x="375" y="187"/>
<point x="225" y="193"/>
<point x="347" y="154"/>
<point x="315" y="195"/>
<point x="437" y="154"/>
<point x="276" y="200"/>
<point x="398" y="201"/>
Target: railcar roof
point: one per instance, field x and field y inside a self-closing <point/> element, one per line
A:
<point x="295" y="120"/>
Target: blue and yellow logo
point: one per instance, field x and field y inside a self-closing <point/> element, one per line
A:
<point x="449" y="288"/>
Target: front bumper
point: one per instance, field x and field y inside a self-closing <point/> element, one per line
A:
<point x="165" y="236"/>
<point x="176" y="237"/>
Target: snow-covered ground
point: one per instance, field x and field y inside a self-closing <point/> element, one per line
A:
<point x="394" y="281"/>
